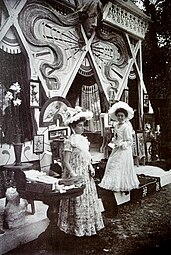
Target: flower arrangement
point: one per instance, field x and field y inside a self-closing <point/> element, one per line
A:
<point x="11" y="107"/>
<point x="13" y="93"/>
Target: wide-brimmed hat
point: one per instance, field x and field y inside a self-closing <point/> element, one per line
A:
<point x="122" y="105"/>
<point x="74" y="114"/>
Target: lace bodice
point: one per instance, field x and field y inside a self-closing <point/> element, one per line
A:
<point x="79" y="144"/>
<point x="123" y="135"/>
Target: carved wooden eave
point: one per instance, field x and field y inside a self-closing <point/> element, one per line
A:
<point x="126" y="16"/>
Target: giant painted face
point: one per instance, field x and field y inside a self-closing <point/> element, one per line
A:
<point x="91" y="11"/>
<point x="90" y="23"/>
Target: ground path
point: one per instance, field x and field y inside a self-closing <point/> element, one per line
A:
<point x="140" y="228"/>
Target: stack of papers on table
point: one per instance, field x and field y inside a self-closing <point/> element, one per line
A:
<point x="36" y="176"/>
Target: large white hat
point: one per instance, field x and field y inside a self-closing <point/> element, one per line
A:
<point x="74" y="114"/>
<point x="122" y="105"/>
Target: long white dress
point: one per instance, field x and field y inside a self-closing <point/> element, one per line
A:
<point x="80" y="216"/>
<point x="120" y="173"/>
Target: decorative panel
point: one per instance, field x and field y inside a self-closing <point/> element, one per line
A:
<point x="60" y="46"/>
<point x="55" y="47"/>
<point x="61" y="50"/>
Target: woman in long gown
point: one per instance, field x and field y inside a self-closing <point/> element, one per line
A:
<point x="120" y="173"/>
<point x="79" y="216"/>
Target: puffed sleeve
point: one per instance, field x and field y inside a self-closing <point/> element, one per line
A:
<point x="67" y="145"/>
<point x="127" y="137"/>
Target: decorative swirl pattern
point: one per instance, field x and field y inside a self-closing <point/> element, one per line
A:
<point x="30" y="20"/>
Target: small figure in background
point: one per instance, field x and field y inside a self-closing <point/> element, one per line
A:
<point x="120" y="175"/>
<point x="80" y="216"/>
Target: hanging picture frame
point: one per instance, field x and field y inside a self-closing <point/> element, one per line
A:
<point x="146" y="100"/>
<point x="54" y="111"/>
<point x="34" y="93"/>
<point x="134" y="146"/>
<point x="38" y="144"/>
<point x="58" y="133"/>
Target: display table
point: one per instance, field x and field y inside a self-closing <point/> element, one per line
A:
<point x="13" y="175"/>
<point x="52" y="199"/>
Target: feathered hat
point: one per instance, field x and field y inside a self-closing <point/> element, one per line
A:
<point x="122" y="105"/>
<point x="74" y="114"/>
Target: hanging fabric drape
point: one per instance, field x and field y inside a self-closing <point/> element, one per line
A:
<point x="90" y="100"/>
<point x="13" y="68"/>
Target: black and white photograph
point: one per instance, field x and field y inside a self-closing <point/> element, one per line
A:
<point x="85" y="130"/>
<point x="38" y="143"/>
<point x="34" y="93"/>
<point x="59" y="133"/>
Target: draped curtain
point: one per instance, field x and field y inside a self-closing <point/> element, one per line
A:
<point x="14" y="68"/>
<point x="90" y="99"/>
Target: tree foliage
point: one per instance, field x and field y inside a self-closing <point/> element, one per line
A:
<point x="157" y="67"/>
<point x="157" y="49"/>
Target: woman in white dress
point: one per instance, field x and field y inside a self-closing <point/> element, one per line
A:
<point x="79" y="216"/>
<point x="120" y="175"/>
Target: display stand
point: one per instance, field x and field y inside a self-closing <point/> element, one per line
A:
<point x="18" y="170"/>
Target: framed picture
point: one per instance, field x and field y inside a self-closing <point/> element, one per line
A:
<point x="53" y="112"/>
<point x="146" y="100"/>
<point x="34" y="93"/>
<point x="58" y="133"/>
<point x="38" y="144"/>
<point x="134" y="146"/>
<point x="140" y="138"/>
